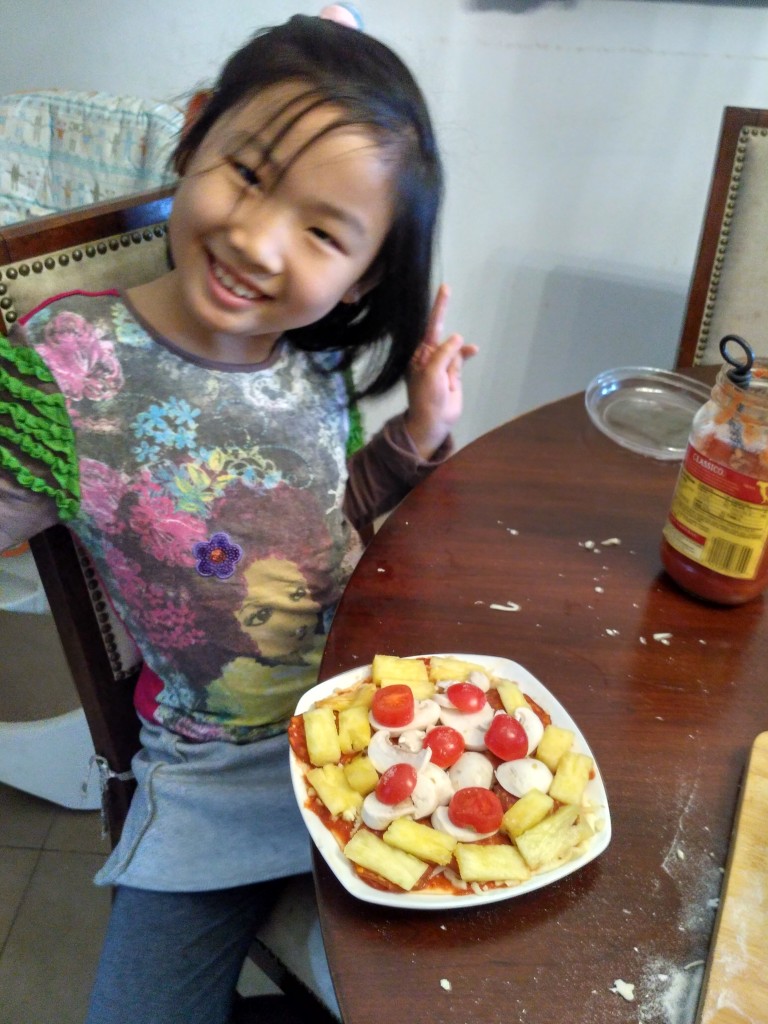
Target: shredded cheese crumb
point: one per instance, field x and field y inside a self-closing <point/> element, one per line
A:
<point x="610" y="542"/>
<point x="624" y="989"/>
<point x="510" y="606"/>
<point x="445" y="984"/>
<point x="663" y="638"/>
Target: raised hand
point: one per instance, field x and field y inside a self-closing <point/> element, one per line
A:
<point x="435" y="397"/>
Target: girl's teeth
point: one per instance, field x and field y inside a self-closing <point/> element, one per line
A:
<point x="231" y="284"/>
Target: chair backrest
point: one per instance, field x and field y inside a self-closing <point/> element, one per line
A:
<point x="118" y="243"/>
<point x="730" y="277"/>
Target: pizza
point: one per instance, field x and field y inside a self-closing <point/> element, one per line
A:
<point x="435" y="775"/>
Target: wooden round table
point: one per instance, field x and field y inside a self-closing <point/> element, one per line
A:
<point x="547" y="513"/>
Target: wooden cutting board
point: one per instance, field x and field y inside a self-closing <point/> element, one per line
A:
<point x="736" y="980"/>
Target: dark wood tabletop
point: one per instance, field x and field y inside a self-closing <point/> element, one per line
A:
<point x="669" y="693"/>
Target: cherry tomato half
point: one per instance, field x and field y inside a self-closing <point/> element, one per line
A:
<point x="506" y="738"/>
<point x="466" y="696"/>
<point x="396" y="784"/>
<point x="393" y="706"/>
<point x="477" y="808"/>
<point x="446" y="744"/>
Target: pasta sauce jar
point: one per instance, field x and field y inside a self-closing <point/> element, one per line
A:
<point x="715" y="541"/>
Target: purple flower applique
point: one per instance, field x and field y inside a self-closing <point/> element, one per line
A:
<point x="217" y="556"/>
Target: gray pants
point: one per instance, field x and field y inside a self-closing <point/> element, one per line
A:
<point x="174" y="958"/>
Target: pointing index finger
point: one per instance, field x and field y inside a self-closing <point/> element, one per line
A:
<point x="437" y="318"/>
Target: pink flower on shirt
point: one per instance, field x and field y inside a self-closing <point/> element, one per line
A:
<point x="81" y="358"/>
<point x="159" y="617"/>
<point x="171" y="623"/>
<point x="102" y="488"/>
<point x="164" y="532"/>
<point x="126" y="572"/>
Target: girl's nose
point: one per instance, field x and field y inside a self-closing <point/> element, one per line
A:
<point x="259" y="233"/>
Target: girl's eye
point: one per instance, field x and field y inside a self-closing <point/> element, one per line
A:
<point x="249" y="175"/>
<point x="259" y="617"/>
<point x="322" y="235"/>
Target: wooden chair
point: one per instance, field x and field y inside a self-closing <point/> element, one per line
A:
<point x="729" y="285"/>
<point x="123" y="242"/>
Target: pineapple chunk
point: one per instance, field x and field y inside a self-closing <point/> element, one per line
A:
<point x="554" y="743"/>
<point x="420" y="840"/>
<point x="361" y="775"/>
<point x="323" y="744"/>
<point x="490" y="863"/>
<point x="350" y="697"/>
<point x="331" y="785"/>
<point x="526" y="812"/>
<point x="511" y="695"/>
<point x="397" y="866"/>
<point x="397" y="670"/>
<point x="571" y="778"/>
<point x="444" y="669"/>
<point x="362" y="695"/>
<point x="421" y="688"/>
<point x="354" y="729"/>
<point x="553" y="839"/>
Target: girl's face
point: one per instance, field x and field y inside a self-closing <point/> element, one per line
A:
<point x="257" y="253"/>
<point x="279" y="614"/>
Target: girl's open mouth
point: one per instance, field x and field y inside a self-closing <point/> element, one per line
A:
<point x="233" y="284"/>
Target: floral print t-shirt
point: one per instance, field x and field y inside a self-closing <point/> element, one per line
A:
<point x="210" y="498"/>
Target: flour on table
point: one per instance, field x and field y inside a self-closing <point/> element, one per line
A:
<point x="668" y="993"/>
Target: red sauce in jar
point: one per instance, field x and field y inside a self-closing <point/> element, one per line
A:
<point x="715" y="541"/>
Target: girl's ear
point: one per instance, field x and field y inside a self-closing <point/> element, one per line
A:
<point x="361" y="288"/>
<point x="195" y="107"/>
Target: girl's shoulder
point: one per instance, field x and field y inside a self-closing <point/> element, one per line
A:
<point x="89" y="305"/>
<point x="84" y="321"/>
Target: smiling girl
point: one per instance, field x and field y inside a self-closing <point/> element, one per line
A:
<point x="179" y="427"/>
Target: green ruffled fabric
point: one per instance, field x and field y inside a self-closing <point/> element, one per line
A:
<point x="36" y="424"/>
<point x="356" y="438"/>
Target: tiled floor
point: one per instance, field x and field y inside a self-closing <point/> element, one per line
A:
<point x="52" y="917"/>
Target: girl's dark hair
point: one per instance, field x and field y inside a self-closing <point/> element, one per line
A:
<point x="377" y="92"/>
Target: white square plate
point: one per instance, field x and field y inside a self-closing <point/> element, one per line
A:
<point x="345" y="872"/>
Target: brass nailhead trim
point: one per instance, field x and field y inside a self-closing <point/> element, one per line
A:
<point x="725" y="230"/>
<point x="37" y="266"/>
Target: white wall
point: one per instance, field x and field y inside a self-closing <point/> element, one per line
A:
<point x="578" y="136"/>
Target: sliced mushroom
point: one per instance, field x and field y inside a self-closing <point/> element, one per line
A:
<point x="433" y="787"/>
<point x="377" y="815"/>
<point x="472" y="725"/>
<point x="471" y="769"/>
<point x="425" y="714"/>
<point x="383" y="753"/>
<point x="524" y="774"/>
<point x="443" y="823"/>
<point x="532" y="724"/>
